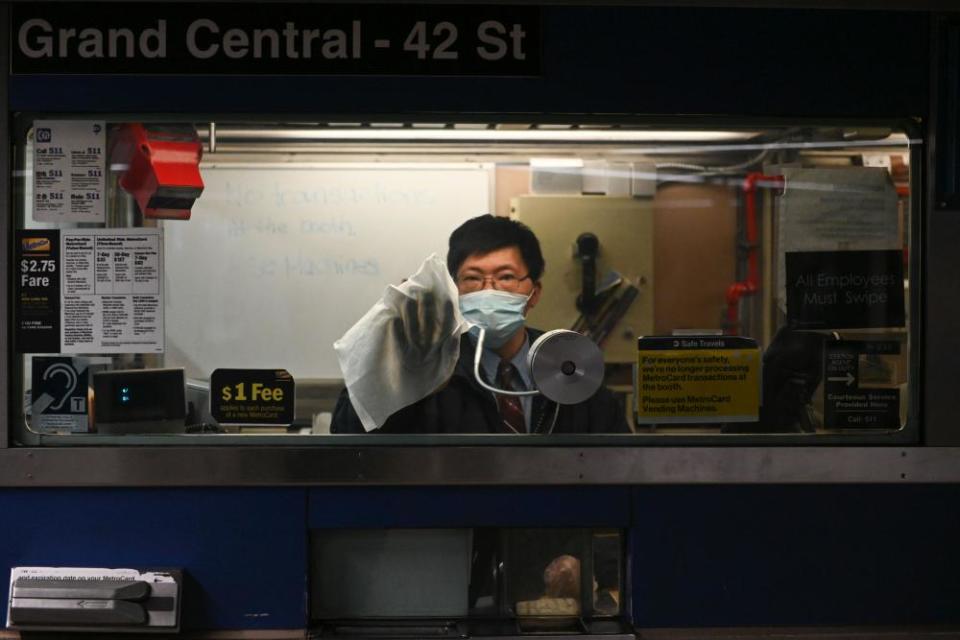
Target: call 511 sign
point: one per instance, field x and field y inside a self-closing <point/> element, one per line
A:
<point x="252" y="396"/>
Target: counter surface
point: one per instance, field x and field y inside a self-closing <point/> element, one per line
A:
<point x="272" y="465"/>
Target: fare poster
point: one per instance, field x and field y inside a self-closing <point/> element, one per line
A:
<point x="90" y="291"/>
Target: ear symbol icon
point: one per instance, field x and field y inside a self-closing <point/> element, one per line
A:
<point x="66" y="371"/>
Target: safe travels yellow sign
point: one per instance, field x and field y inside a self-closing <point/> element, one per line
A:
<point x="697" y="379"/>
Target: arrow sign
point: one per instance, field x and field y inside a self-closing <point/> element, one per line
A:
<point x="845" y="404"/>
<point x="849" y="379"/>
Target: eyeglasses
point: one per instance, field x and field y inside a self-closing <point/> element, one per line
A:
<point x="470" y="282"/>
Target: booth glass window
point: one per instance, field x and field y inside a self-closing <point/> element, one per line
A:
<point x="241" y="281"/>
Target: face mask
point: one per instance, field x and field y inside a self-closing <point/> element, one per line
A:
<point x="500" y="313"/>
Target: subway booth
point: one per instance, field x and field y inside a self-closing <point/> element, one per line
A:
<point x="748" y="219"/>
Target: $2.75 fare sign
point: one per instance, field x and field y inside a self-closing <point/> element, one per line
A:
<point x="252" y="396"/>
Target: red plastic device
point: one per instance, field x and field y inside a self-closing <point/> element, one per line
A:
<point x="163" y="173"/>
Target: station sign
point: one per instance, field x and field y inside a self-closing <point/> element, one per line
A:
<point x="307" y="38"/>
<point x="252" y="396"/>
<point x="849" y="401"/>
<point x="844" y="289"/>
<point x="698" y="379"/>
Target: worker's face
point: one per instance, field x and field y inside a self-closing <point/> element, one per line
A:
<point x="495" y="269"/>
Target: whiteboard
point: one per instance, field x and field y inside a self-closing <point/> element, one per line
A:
<point x="278" y="261"/>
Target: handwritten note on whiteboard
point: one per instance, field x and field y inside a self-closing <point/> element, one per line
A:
<point x="277" y="262"/>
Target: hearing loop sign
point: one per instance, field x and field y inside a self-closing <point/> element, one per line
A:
<point x="59" y="395"/>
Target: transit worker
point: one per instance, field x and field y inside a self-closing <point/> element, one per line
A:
<point x="496" y="264"/>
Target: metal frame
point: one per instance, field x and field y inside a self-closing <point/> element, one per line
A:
<point x="419" y="465"/>
<point x="601" y="460"/>
<point x="643" y="458"/>
<point x="6" y="224"/>
<point x="940" y="310"/>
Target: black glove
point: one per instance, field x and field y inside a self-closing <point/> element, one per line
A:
<point x="423" y="328"/>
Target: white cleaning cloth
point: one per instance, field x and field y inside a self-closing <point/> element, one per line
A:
<point x="405" y="346"/>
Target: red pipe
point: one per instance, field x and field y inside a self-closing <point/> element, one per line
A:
<point x="748" y="287"/>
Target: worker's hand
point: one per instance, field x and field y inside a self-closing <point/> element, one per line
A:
<point x="424" y="328"/>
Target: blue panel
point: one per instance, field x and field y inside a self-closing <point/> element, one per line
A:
<point x="795" y="555"/>
<point x="724" y="556"/>
<point x="244" y="550"/>
<point x="595" y="60"/>
<point x="469" y="506"/>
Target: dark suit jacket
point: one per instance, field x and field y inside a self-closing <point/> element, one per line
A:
<point x="463" y="406"/>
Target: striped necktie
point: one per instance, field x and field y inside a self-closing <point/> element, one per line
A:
<point x="511" y="410"/>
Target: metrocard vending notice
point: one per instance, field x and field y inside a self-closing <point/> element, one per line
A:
<point x="111" y="291"/>
<point x="698" y="379"/>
